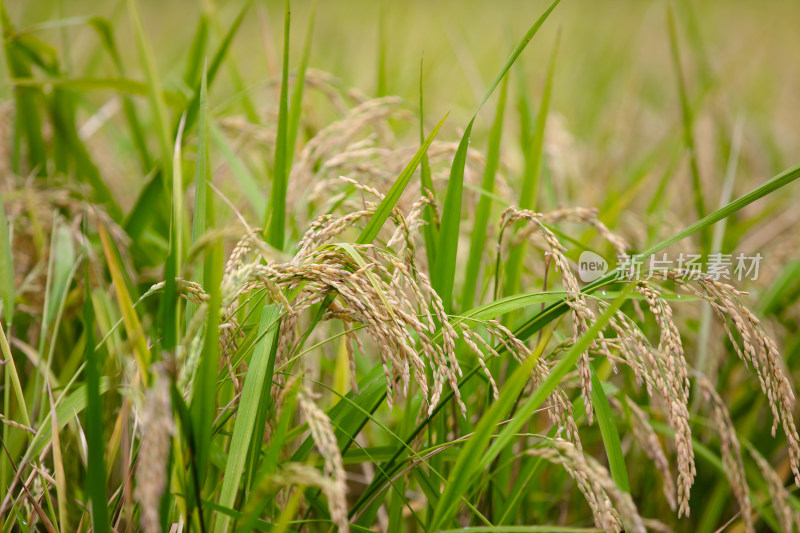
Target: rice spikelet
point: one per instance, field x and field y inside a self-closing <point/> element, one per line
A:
<point x="651" y="446"/>
<point x="788" y="516"/>
<point x="325" y="440"/>
<point x="610" y="506"/>
<point x="731" y="451"/>
<point x="754" y="347"/>
<point x="157" y="427"/>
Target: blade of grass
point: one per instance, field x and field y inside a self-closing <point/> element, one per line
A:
<point x="155" y="91"/>
<point x="67" y="406"/>
<point x="96" y="470"/>
<point x="608" y="430"/>
<point x="398" y="501"/>
<point x="252" y="507"/>
<point x="6" y="266"/>
<point x="557" y="373"/>
<point x="482" y="212"/>
<point x="27" y="121"/>
<point x="8" y="361"/>
<point x="193" y="108"/>
<point x="58" y="467"/>
<point x="133" y="326"/>
<point x="289" y="510"/>
<point x="234" y="74"/>
<point x="259" y="373"/>
<point x="69" y="151"/>
<point x="120" y="85"/>
<point x="203" y="201"/>
<point x="296" y="105"/>
<point x="106" y="33"/>
<point x="376" y="221"/>
<point x="533" y="169"/>
<point x="429" y="230"/>
<point x="171" y="311"/>
<point x="197" y="51"/>
<point x="251" y="189"/>
<point x="460" y="477"/>
<point x="187" y="477"/>
<point x="276" y="228"/>
<point x="203" y="407"/>
<point x="65" y="268"/>
<point x="380" y="72"/>
<point x="717" y="240"/>
<point x="61" y="265"/>
<point x="688" y="124"/>
<point x="467" y="466"/>
<point x="443" y="273"/>
<point x="430" y="490"/>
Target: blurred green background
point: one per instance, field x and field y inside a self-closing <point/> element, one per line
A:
<point x="614" y="86"/>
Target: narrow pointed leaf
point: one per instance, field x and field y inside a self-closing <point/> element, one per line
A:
<point x="280" y="176"/>
<point x="444" y="270"/>
<point x="257" y="384"/>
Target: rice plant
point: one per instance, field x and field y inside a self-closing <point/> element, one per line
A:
<point x="242" y="292"/>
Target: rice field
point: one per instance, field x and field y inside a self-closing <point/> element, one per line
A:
<point x="368" y="266"/>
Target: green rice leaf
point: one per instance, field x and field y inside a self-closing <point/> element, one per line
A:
<point x="28" y="124"/>
<point x="375" y="223"/>
<point x="483" y="211"/>
<point x="688" y="124"/>
<point x="530" y="182"/>
<point x="250" y="187"/>
<point x="13" y="376"/>
<point x="106" y="33"/>
<point x="155" y="90"/>
<point x="120" y="85"/>
<point x="460" y="477"/>
<point x="443" y="273"/>
<point x="96" y="470"/>
<point x="467" y="466"/>
<point x="203" y="408"/>
<point x="608" y="430"/>
<point x="257" y="384"/>
<point x="429" y="230"/>
<point x="196" y="55"/>
<point x="6" y="265"/>
<point x="280" y="177"/>
<point x="296" y="104"/>
<point x="203" y="201"/>
<point x="133" y="326"/>
<point x="193" y="108"/>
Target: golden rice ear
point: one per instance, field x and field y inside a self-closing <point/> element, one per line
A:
<point x="755" y="348"/>
<point x="157" y="427"/>
<point x="301" y="475"/>
<point x="386" y="294"/>
<point x="672" y="365"/>
<point x="588" y="216"/>
<point x="788" y="516"/>
<point x="612" y="508"/>
<point x="325" y="441"/>
<point x="651" y="446"/>
<point x="582" y="315"/>
<point x="731" y="451"/>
